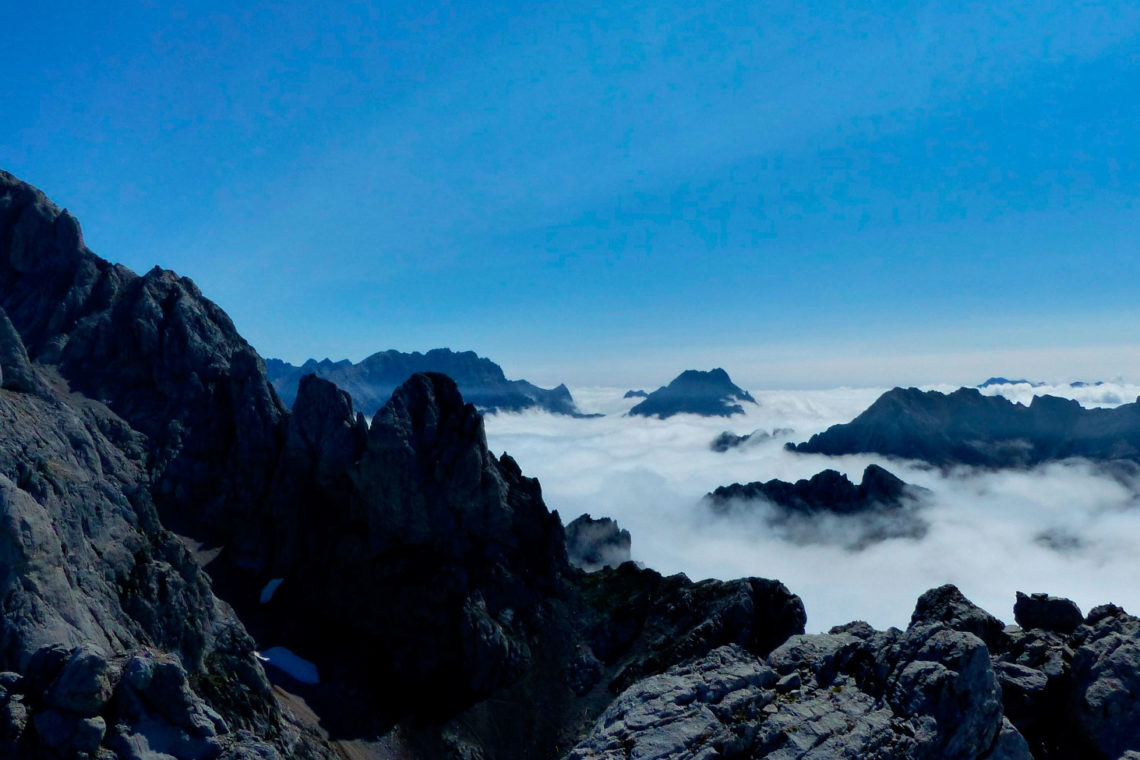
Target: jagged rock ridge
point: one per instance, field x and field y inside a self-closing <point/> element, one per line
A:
<point x="161" y="356"/>
<point x="372" y="381"/>
<point x="969" y="428"/>
<point x="709" y="394"/>
<point x="110" y="636"/>
<point x="465" y="632"/>
<point x="829" y="508"/>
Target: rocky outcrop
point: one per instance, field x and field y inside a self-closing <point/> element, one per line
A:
<point x="372" y="381"/>
<point x="111" y="640"/>
<point x="928" y="692"/>
<point x="968" y="428"/>
<point x="593" y="544"/>
<point x="709" y="394"/>
<point x="955" y="684"/>
<point x="164" y="358"/>
<point x="829" y="508"/>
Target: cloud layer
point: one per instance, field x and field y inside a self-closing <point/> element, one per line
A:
<point x="1069" y="529"/>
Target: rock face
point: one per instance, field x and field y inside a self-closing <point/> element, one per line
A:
<point x="111" y="640"/>
<point x="593" y="544"/>
<point x="829" y="508"/>
<point x="955" y="684"/>
<point x="161" y="356"/>
<point x="709" y="394"/>
<point x="928" y="692"/>
<point x="966" y="427"/>
<point x="372" y="381"/>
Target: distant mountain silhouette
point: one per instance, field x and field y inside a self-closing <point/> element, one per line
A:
<point x="709" y="394"/>
<point x="372" y="381"/>
<point x="1006" y="381"/>
<point x="881" y="507"/>
<point x="967" y="427"/>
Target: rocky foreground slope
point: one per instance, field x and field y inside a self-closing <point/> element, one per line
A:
<point x="422" y="575"/>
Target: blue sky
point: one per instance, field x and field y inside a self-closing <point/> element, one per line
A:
<point x="805" y="193"/>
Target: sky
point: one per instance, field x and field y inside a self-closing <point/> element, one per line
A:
<point x="808" y="194"/>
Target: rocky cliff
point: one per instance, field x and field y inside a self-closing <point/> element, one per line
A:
<point x="111" y="638"/>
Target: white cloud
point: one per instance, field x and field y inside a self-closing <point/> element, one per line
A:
<point x="1067" y="529"/>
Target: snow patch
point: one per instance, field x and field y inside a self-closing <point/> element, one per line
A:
<point x="270" y="589"/>
<point x="284" y="660"/>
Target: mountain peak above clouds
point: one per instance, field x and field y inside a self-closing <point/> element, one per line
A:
<point x="708" y="394"/>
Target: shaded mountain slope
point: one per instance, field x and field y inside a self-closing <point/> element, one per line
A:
<point x="159" y="354"/>
<point x="969" y="428"/>
<point x="371" y="381"/>
<point x="709" y="394"/>
<point x="110" y="635"/>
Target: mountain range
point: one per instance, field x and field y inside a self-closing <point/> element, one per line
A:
<point x="968" y="428"/>
<point x="165" y="518"/>
<point x="371" y="381"/>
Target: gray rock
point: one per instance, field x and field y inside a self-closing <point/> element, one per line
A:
<point x="15" y="367"/>
<point x="1049" y="613"/>
<point x="927" y="693"/>
<point x="948" y="606"/>
<point x="688" y="711"/>
<point x="84" y="683"/>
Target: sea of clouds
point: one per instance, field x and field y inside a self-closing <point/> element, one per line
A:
<point x="1070" y="529"/>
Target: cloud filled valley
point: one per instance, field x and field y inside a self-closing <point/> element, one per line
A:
<point x="1066" y="528"/>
